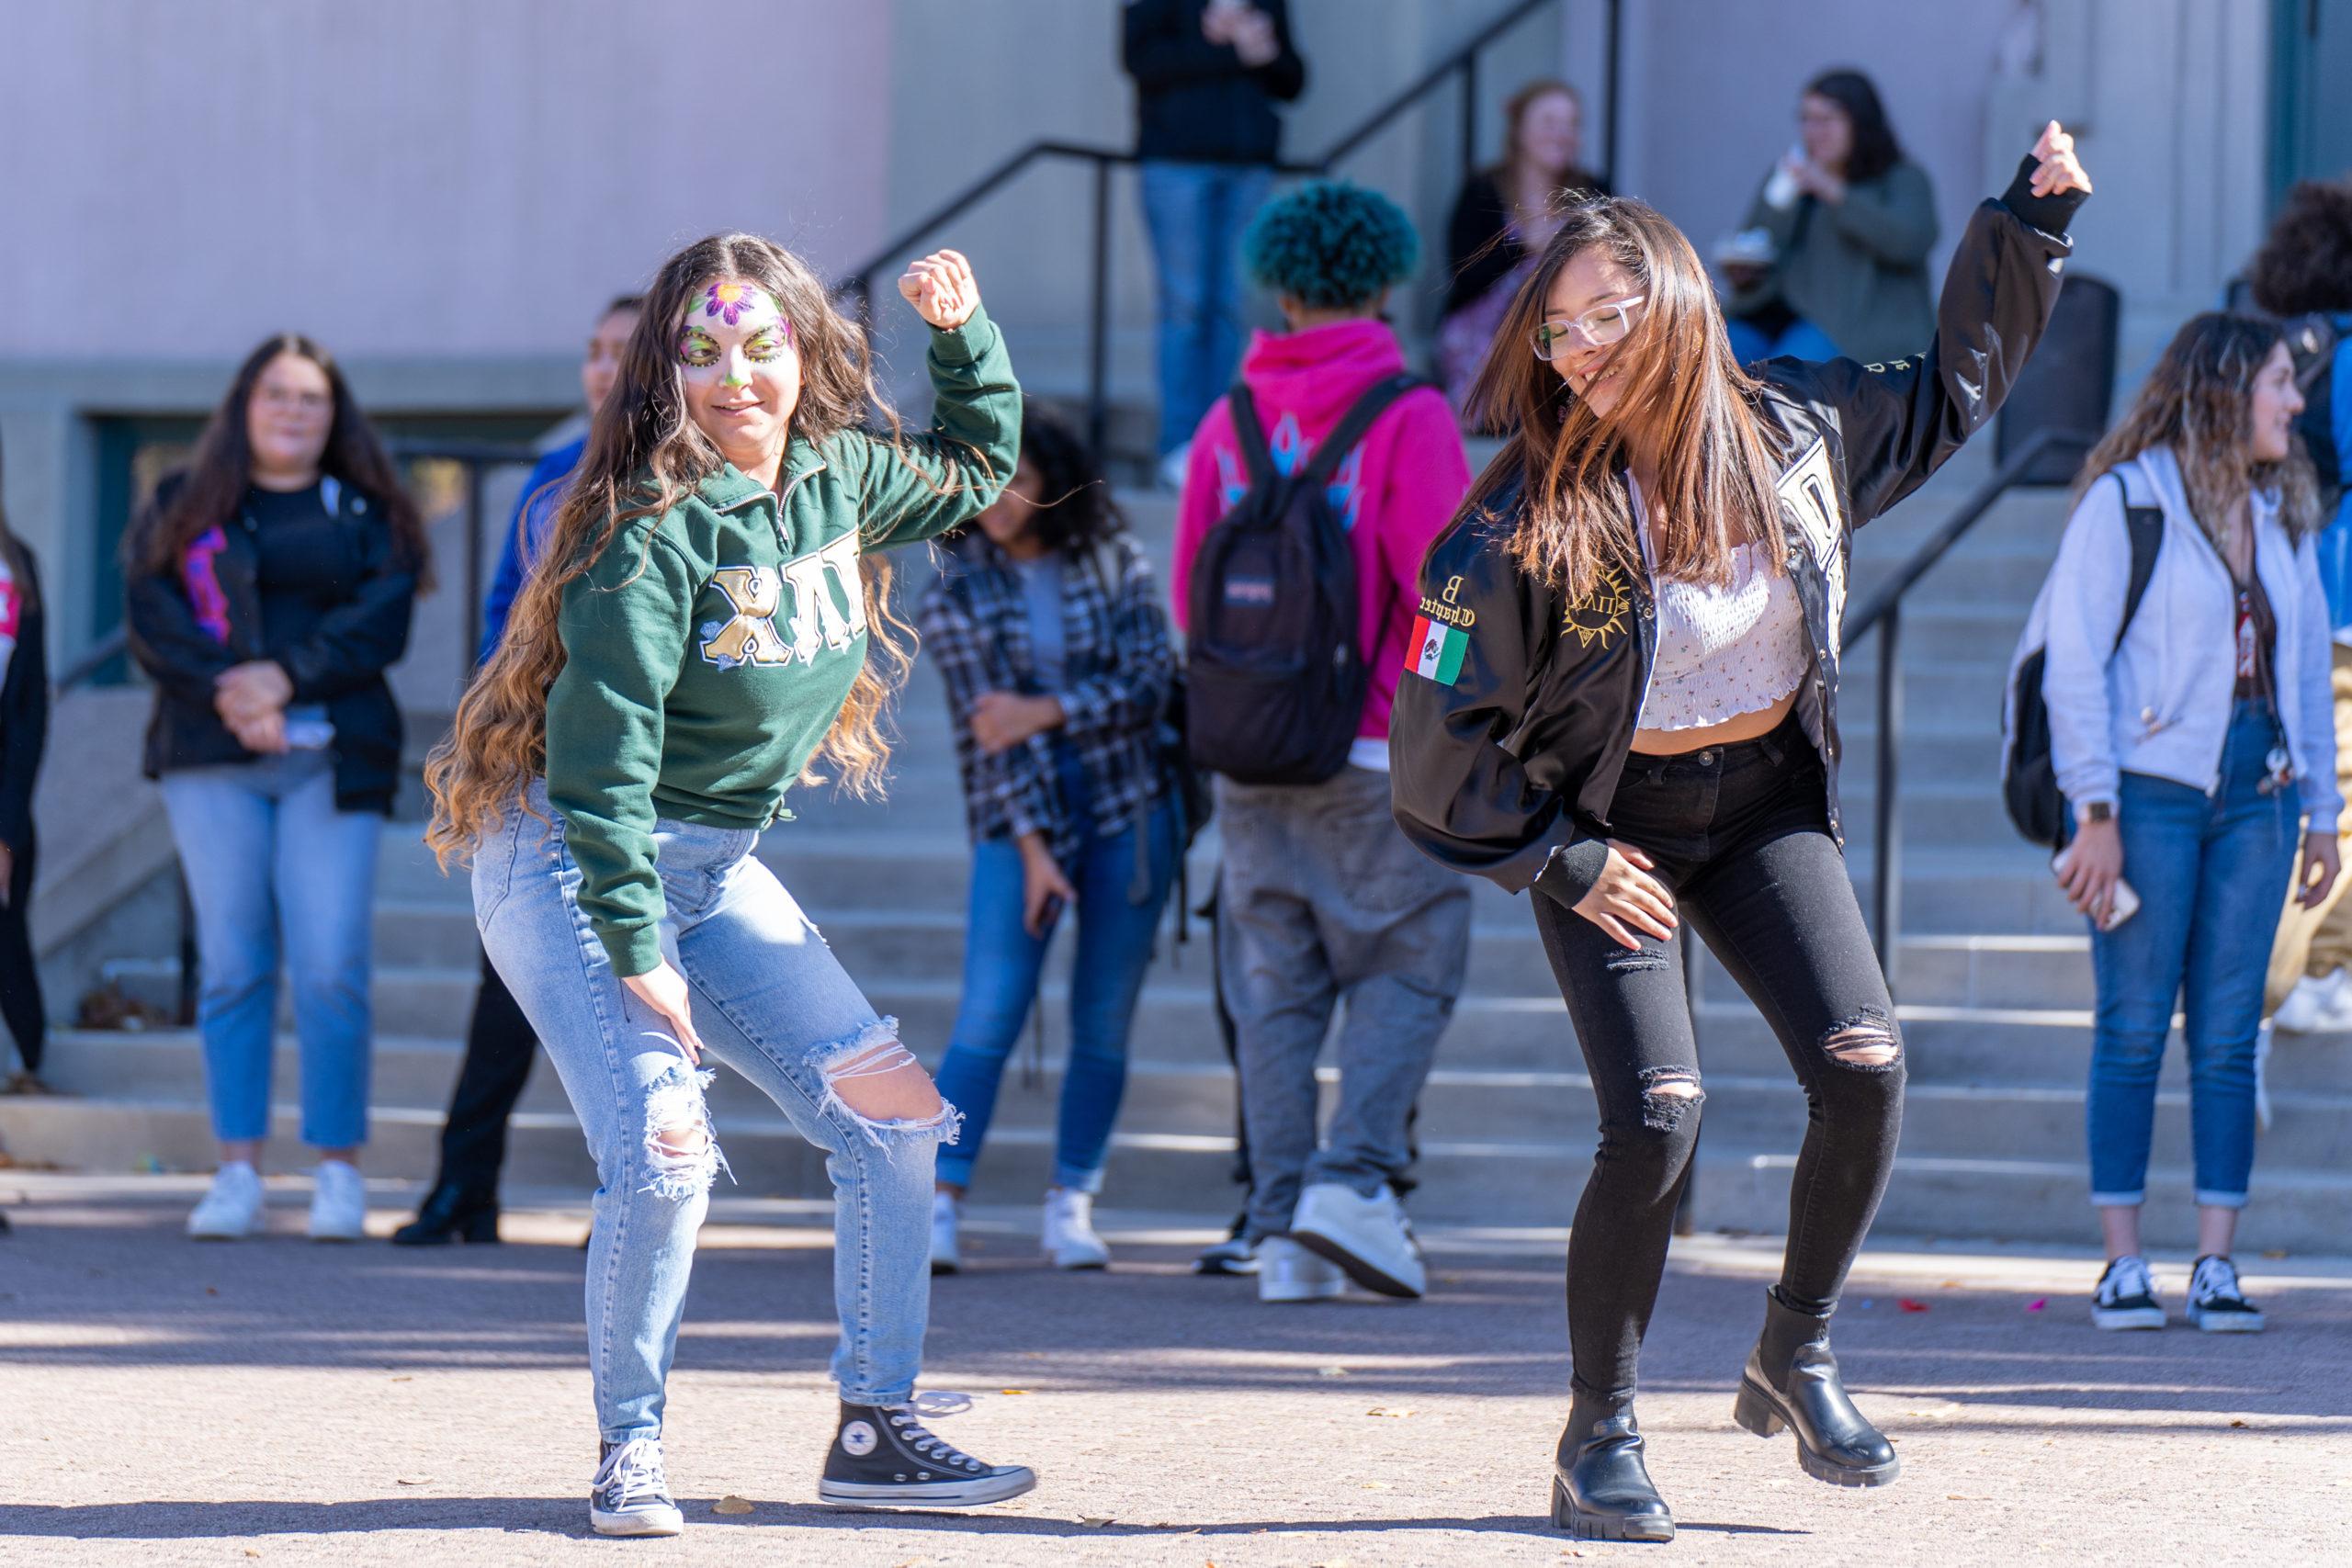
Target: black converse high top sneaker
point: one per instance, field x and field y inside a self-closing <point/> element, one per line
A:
<point x="887" y="1457"/>
<point x="631" y="1493"/>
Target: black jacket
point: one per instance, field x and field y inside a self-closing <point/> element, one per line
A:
<point x="1480" y="248"/>
<point x="341" y="664"/>
<point x="1195" y="102"/>
<point x="1509" y="771"/>
<point x="24" y="711"/>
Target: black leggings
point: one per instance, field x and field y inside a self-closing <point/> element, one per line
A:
<point x="1740" y="833"/>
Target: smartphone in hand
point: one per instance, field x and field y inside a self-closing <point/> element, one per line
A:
<point x="2121" y="905"/>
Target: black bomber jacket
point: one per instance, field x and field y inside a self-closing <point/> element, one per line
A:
<point x="1508" y="769"/>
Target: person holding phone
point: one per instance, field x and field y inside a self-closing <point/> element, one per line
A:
<point x="2198" y="755"/>
<point x="1047" y="625"/>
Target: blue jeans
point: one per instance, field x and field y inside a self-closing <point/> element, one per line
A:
<point x="1119" y="903"/>
<point x="770" y="1001"/>
<point x="1196" y="213"/>
<point x="2211" y="873"/>
<point x="275" y="870"/>
<point x="1799" y="340"/>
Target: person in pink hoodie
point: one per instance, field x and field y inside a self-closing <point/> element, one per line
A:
<point x="1320" y="895"/>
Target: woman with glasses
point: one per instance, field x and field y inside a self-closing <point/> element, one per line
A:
<point x="1624" y="696"/>
<point x="269" y="589"/>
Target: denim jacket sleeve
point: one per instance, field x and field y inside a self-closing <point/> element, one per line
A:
<point x="2316" y="786"/>
<point x="2084" y="596"/>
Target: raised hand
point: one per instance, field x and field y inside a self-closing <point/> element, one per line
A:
<point x="942" y="289"/>
<point x="2060" y="169"/>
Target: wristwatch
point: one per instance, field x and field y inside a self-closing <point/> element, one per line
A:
<point x="2095" y="811"/>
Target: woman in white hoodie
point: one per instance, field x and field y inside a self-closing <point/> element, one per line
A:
<point x="2196" y="753"/>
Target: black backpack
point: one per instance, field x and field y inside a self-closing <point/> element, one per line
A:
<point x="1274" y="664"/>
<point x="2029" y="776"/>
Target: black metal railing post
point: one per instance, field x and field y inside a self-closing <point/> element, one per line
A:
<point x="1469" y="114"/>
<point x="1886" y="890"/>
<point x="473" y="562"/>
<point x="1097" y="321"/>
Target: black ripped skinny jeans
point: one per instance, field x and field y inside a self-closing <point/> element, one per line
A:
<point x="1740" y="833"/>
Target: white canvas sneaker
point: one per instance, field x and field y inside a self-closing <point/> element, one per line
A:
<point x="1068" y="1238"/>
<point x="631" y="1493"/>
<point x="2317" y="1002"/>
<point x="338" y="1202"/>
<point x="1366" y="1236"/>
<point x="231" y="1209"/>
<point x="946" y="1242"/>
<point x="1288" y="1272"/>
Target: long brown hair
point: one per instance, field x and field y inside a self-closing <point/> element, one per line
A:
<point x="644" y="456"/>
<point x="2199" y="400"/>
<point x="1683" y="397"/>
<point x="212" y="486"/>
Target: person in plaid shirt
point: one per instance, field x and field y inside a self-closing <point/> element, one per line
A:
<point x="1048" y="627"/>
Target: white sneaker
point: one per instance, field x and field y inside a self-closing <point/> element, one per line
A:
<point x="338" y="1202"/>
<point x="2317" y="1002"/>
<point x="2126" y="1297"/>
<point x="631" y="1493"/>
<point x="1288" y="1272"/>
<point x="1366" y="1236"/>
<point x="231" y="1209"/>
<point x="947" y="1248"/>
<point x="1069" y="1238"/>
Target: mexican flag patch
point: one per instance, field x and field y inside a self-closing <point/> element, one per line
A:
<point x="1436" y="651"/>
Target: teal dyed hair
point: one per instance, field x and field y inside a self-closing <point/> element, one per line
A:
<point x="1331" y="244"/>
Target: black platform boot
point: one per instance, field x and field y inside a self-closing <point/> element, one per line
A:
<point x="450" y="1213"/>
<point x="1792" y="1381"/>
<point x="1600" y="1489"/>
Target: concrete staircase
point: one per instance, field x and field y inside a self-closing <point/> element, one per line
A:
<point x="1996" y="996"/>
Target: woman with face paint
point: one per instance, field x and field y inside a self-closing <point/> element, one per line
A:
<point x="710" y="619"/>
<point x="268" y="586"/>
<point x="1625" y="698"/>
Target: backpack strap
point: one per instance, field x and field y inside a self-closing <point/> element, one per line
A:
<point x="1352" y="426"/>
<point x="1251" y="435"/>
<point x="2146" y="526"/>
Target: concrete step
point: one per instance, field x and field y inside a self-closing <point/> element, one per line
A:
<point x="1485" y="1181"/>
<point x="1745" y="1110"/>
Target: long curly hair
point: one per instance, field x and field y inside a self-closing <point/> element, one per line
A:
<point x="2305" y="263"/>
<point x="1684" y="397"/>
<point x="209" y="491"/>
<point x="2199" y="400"/>
<point x="1076" y="511"/>
<point x="645" y="455"/>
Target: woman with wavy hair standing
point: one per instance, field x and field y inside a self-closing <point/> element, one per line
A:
<point x="1626" y="699"/>
<point x="709" y="619"/>
<point x="2195" y="743"/>
<point x="269" y="587"/>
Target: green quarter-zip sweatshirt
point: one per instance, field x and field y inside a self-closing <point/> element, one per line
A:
<point x="707" y="652"/>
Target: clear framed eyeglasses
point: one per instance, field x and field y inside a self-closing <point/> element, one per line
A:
<point x="1601" y="326"/>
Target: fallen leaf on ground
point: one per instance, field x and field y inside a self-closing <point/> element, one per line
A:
<point x="2279" y="1252"/>
<point x="211" y="1290"/>
<point x="414" y="1479"/>
<point x="1375" y="1486"/>
<point x="1383" y="1410"/>
<point x="1012" y="1391"/>
<point x="1330" y="1371"/>
<point x="1907" y="1304"/>
<point x="731" y="1504"/>
<point x="405" y="1377"/>
<point x="1094" y="1524"/>
<point x="2237" y="1423"/>
<point x="1950" y="1285"/>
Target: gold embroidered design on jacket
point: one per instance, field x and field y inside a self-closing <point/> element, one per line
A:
<point x="1601" y="613"/>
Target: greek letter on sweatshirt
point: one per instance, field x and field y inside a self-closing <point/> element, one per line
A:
<point x="707" y="652"/>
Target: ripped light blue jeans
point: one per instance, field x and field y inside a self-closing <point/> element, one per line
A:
<point x="770" y="1002"/>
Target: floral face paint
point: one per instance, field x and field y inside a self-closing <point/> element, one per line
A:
<point x="741" y="371"/>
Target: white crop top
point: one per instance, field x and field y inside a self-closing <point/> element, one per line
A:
<point x="1721" y="652"/>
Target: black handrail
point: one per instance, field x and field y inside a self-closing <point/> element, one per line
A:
<point x="1883" y="612"/>
<point x="1463" y="62"/>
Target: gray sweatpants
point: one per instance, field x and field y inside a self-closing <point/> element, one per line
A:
<point x="1320" y="897"/>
